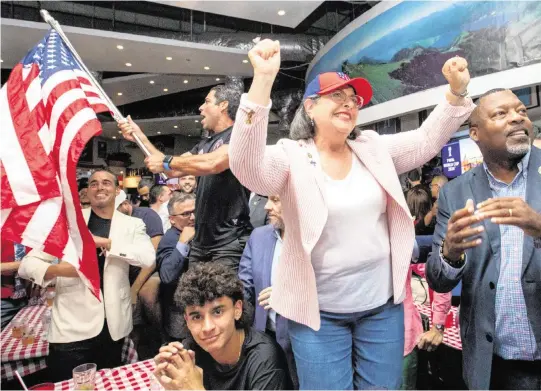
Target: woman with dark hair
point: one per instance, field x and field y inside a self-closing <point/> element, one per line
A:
<point x="342" y="274"/>
<point x="422" y="209"/>
<point x="222" y="351"/>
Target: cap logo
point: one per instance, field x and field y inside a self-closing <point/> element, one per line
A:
<point x="343" y="76"/>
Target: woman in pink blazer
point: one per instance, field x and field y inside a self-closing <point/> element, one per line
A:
<point x="342" y="275"/>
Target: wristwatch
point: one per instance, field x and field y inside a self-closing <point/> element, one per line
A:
<point x="440" y="328"/>
<point x="456" y="264"/>
<point x="166" y="160"/>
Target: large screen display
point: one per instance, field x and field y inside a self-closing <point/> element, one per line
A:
<point x="460" y="156"/>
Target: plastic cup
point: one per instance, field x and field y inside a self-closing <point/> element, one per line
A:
<point x="18" y="328"/>
<point x="49" y="298"/>
<point x="29" y="337"/>
<point x="84" y="377"/>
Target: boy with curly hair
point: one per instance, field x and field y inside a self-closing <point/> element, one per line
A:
<point x="223" y="352"/>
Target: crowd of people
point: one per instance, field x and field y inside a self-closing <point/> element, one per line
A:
<point x="289" y="266"/>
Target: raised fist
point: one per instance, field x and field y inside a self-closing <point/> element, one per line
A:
<point x="456" y="72"/>
<point x="265" y="57"/>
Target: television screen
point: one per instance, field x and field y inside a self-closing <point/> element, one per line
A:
<point x="459" y="156"/>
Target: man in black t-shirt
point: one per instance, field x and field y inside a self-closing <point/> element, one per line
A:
<point x="222" y="221"/>
<point x="222" y="352"/>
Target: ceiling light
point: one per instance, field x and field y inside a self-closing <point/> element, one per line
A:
<point x="217" y="79"/>
<point x="245" y="61"/>
<point x="165" y="90"/>
<point x="119" y="47"/>
<point x="114" y="136"/>
<point x="196" y="120"/>
<point x="159" y="132"/>
<point x="151" y="82"/>
<point x="1" y="60"/>
<point x="175" y="126"/>
<point x="122" y="172"/>
<point x="206" y="68"/>
<point x="168" y="58"/>
<point x="281" y="12"/>
<point x="119" y="93"/>
<point x="185" y="81"/>
<point x="128" y="64"/>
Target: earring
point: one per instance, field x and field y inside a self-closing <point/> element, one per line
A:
<point x="312" y="123"/>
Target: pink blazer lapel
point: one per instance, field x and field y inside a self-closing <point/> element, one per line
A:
<point x="314" y="163"/>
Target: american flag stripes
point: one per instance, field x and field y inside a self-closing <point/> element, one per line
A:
<point x="48" y="113"/>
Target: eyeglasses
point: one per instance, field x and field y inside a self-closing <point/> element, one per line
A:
<point x="185" y="214"/>
<point x="341" y="97"/>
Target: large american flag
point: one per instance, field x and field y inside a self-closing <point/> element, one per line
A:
<point x="47" y="114"/>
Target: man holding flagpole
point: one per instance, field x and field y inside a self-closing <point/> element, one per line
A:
<point x="48" y="112"/>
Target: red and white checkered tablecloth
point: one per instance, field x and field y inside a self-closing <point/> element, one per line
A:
<point x="29" y="359"/>
<point x="13" y="348"/>
<point x="137" y="376"/>
<point x="451" y="336"/>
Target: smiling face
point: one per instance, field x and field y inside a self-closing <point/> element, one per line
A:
<point x="102" y="190"/>
<point x="501" y="126"/>
<point x="335" y="112"/>
<point x="213" y="325"/>
<point x="187" y="183"/>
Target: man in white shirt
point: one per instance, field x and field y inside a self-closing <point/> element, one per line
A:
<point x="159" y="197"/>
<point x="84" y="329"/>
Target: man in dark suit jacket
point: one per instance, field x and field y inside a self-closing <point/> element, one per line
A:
<point x="493" y="245"/>
<point x="172" y="258"/>
<point x="257" y="270"/>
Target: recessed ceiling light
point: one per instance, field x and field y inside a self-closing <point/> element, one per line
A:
<point x="196" y="120"/>
<point x="165" y="90"/>
<point x="159" y="132"/>
<point x="119" y="47"/>
<point x="151" y="82"/>
<point x="119" y="93"/>
<point x="1" y="60"/>
<point x="122" y="172"/>
<point x="217" y="79"/>
<point x="206" y="68"/>
<point x="189" y="135"/>
<point x="175" y="126"/>
<point x="168" y="58"/>
<point x="185" y="81"/>
<point x="245" y="61"/>
<point x="281" y="12"/>
<point x="114" y="136"/>
<point x="128" y="64"/>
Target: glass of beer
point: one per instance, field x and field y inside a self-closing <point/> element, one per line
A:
<point x="17" y="328"/>
<point x="49" y="297"/>
<point x="84" y="377"/>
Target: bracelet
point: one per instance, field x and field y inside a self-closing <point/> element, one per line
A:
<point x="456" y="264"/>
<point x="166" y="166"/>
<point x="463" y="95"/>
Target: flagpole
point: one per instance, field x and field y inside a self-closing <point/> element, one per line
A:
<point x="117" y="115"/>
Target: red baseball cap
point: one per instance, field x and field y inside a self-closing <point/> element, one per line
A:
<point x="327" y="82"/>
